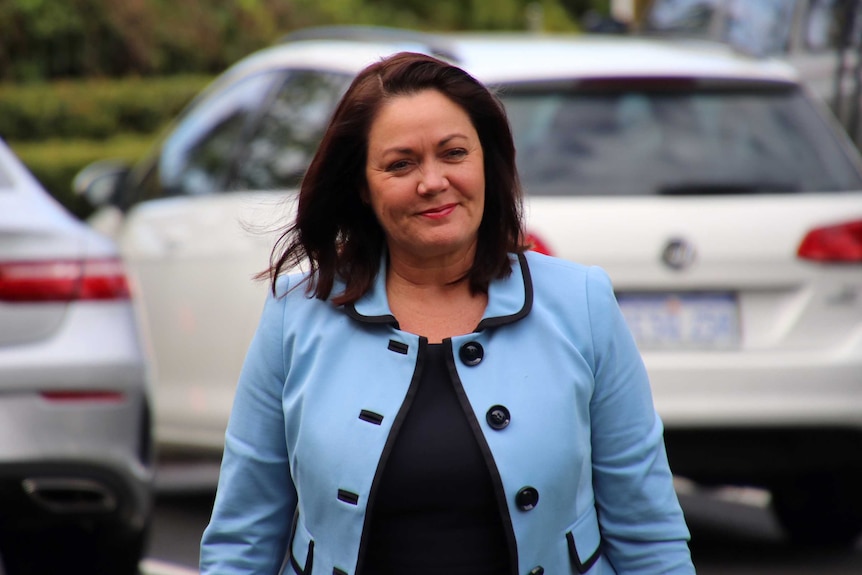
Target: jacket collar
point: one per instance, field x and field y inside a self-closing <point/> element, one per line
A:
<point x="509" y="299"/>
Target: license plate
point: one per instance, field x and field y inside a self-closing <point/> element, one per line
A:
<point x="684" y="320"/>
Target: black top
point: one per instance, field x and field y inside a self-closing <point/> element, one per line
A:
<point x="435" y="512"/>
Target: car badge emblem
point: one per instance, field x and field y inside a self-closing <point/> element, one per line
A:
<point x="678" y="254"/>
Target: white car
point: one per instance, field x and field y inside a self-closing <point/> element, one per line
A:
<point x="720" y="197"/>
<point x="76" y="465"/>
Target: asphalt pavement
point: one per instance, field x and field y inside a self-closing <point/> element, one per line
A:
<point x="733" y="530"/>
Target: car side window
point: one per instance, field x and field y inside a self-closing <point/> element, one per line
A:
<point x="195" y="158"/>
<point x="288" y="134"/>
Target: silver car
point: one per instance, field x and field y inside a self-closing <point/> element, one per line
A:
<point x="76" y="463"/>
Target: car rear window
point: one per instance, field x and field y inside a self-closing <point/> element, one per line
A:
<point x="674" y="138"/>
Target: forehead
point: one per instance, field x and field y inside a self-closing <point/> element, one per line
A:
<point x="428" y="107"/>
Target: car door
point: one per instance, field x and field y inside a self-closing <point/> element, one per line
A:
<point x="207" y="212"/>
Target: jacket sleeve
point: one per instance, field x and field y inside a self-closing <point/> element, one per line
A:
<point x="641" y="522"/>
<point x="255" y="501"/>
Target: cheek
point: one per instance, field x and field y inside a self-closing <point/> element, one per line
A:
<point x="477" y="188"/>
<point x="385" y="210"/>
<point x="474" y="180"/>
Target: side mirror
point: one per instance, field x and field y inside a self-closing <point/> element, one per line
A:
<point x="100" y="181"/>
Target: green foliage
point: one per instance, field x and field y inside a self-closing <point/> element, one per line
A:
<point x="84" y="38"/>
<point x="59" y="127"/>
<point x="74" y="38"/>
<point x="94" y="109"/>
<point x="441" y="15"/>
<point x="56" y="162"/>
<point x="580" y="7"/>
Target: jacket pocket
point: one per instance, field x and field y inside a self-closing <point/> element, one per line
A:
<point x="301" y="545"/>
<point x="585" y="541"/>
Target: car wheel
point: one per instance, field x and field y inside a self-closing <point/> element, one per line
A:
<point x="106" y="549"/>
<point x="822" y="509"/>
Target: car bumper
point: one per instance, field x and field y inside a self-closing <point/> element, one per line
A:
<point x="75" y="423"/>
<point x="759" y="418"/>
<point x="796" y="388"/>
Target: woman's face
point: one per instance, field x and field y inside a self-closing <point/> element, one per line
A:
<point x="425" y="176"/>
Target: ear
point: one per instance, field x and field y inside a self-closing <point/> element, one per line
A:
<point x="364" y="195"/>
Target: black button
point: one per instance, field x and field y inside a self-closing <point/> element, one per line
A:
<point x="538" y="570"/>
<point x="527" y="498"/>
<point x="498" y="417"/>
<point x="471" y="353"/>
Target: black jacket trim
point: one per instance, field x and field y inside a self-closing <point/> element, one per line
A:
<point x="496" y="479"/>
<point x="337" y="571"/>
<point x="348" y="496"/>
<point x="309" y="556"/>
<point x="525" y="309"/>
<point x="576" y="558"/>
<point x="370" y="417"/>
<point x="398" y="347"/>
<point x="389" y="319"/>
<point x="387" y="449"/>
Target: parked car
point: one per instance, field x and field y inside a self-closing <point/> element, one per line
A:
<point x="75" y="435"/>
<point x="721" y="197"/>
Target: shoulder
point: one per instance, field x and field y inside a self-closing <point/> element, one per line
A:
<point x="286" y="285"/>
<point x="564" y="278"/>
<point x="573" y="294"/>
<point x="289" y="292"/>
<point x="292" y="301"/>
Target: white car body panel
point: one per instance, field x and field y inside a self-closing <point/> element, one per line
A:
<point x="798" y="320"/>
<point x="192" y="261"/>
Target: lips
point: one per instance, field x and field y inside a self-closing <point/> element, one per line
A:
<point x="439" y="212"/>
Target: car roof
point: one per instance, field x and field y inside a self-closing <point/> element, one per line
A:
<point x="516" y="57"/>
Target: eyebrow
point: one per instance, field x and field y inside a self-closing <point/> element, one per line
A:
<point x="443" y="141"/>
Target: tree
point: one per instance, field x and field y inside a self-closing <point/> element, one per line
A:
<point x="74" y="38"/>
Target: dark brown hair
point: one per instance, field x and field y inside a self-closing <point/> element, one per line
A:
<point x="340" y="236"/>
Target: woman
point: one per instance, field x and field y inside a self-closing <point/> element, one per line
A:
<point x="430" y="398"/>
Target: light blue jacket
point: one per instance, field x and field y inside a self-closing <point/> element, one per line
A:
<point x="324" y="389"/>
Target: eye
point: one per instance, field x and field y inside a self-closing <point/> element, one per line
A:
<point x="398" y="166"/>
<point x="455" y="154"/>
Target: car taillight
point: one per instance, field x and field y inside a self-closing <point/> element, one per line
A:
<point x="840" y="243"/>
<point x="78" y="396"/>
<point x="537" y="245"/>
<point x="63" y="280"/>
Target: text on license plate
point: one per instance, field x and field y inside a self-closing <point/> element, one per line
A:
<point x="684" y="320"/>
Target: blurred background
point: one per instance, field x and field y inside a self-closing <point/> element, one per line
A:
<point x="82" y="81"/>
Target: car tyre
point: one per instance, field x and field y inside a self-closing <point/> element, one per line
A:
<point x="823" y="509"/>
<point x="98" y="550"/>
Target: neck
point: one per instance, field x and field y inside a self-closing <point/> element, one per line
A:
<point x="438" y="273"/>
<point x="430" y="300"/>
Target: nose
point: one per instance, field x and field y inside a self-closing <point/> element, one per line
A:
<point x="432" y="179"/>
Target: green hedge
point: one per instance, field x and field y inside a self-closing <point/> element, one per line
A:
<point x="56" y="162"/>
<point x="93" y="109"/>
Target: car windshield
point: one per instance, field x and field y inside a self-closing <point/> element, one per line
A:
<point x="674" y="137"/>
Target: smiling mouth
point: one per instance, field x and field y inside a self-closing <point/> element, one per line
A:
<point x="440" y="212"/>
